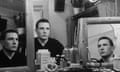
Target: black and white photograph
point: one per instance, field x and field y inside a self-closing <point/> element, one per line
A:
<point x="59" y="35"/>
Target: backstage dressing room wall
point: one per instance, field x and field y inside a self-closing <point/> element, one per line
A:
<point x="59" y="21"/>
<point x="8" y="15"/>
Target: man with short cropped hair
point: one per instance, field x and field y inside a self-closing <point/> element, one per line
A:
<point x="43" y="41"/>
<point x="9" y="56"/>
<point x="106" y="49"/>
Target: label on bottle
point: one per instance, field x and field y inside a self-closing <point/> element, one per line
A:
<point x="43" y="57"/>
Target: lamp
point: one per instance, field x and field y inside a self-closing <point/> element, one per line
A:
<point x="93" y="1"/>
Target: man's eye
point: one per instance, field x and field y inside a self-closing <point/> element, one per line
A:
<point x="41" y="28"/>
<point x="10" y="39"/>
<point x="13" y="39"/>
<point x="99" y="46"/>
<point x="104" y="44"/>
<point x="17" y="39"/>
<point x="48" y="28"/>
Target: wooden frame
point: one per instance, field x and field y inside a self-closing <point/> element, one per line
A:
<point x="83" y="32"/>
<point x="30" y="44"/>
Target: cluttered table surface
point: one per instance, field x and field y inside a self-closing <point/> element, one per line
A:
<point x="61" y="63"/>
<point x="79" y="68"/>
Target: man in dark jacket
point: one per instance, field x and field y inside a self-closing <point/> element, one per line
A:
<point x="9" y="56"/>
<point x="43" y="41"/>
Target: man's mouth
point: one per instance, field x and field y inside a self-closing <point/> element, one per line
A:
<point x="14" y="46"/>
<point x="102" y="53"/>
<point x="44" y="35"/>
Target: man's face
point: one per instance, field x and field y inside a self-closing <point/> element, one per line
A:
<point x="11" y="41"/>
<point x="104" y="48"/>
<point x="43" y="30"/>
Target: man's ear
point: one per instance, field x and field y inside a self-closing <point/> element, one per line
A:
<point x="36" y="30"/>
<point x="113" y="48"/>
<point x="2" y="42"/>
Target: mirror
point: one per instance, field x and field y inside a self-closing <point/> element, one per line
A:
<point x="17" y="14"/>
<point x="90" y="29"/>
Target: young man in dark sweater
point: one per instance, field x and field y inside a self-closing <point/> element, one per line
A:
<point x="9" y="56"/>
<point x="43" y="41"/>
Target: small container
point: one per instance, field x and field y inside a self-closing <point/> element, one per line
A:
<point x="43" y="57"/>
<point x="116" y="64"/>
<point x="68" y="53"/>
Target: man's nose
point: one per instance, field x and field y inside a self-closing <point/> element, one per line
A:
<point x="14" y="41"/>
<point x="101" y="48"/>
<point x="44" y="30"/>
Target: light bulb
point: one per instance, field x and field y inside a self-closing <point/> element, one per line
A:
<point x="92" y="1"/>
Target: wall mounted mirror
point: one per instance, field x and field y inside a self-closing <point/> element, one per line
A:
<point x="17" y="14"/>
<point x="90" y="29"/>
